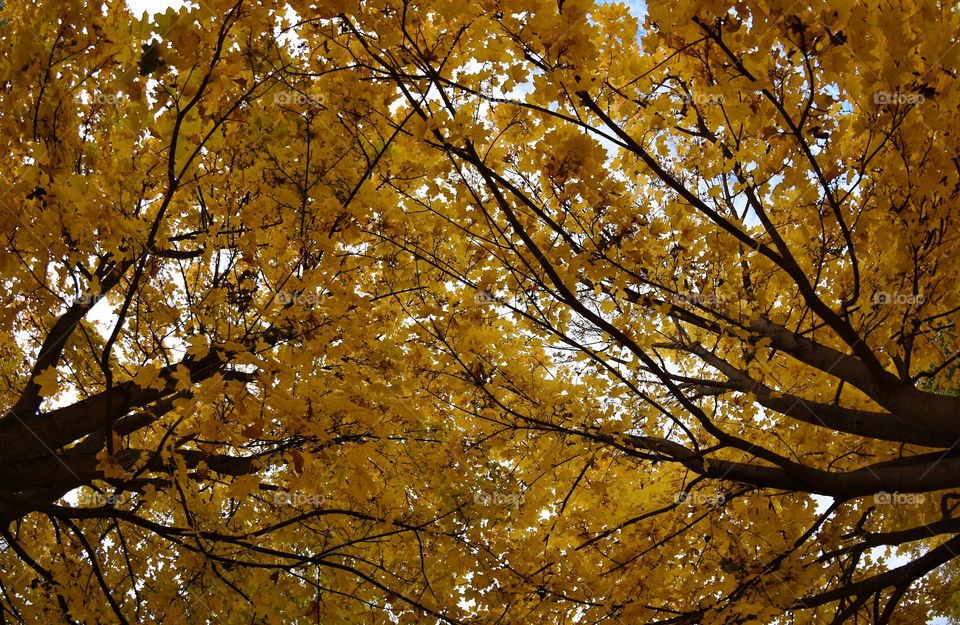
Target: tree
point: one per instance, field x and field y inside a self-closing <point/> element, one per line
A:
<point x="396" y="311"/>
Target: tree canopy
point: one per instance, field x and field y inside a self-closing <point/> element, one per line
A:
<point x="507" y="311"/>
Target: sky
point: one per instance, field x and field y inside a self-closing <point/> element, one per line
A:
<point x="153" y="6"/>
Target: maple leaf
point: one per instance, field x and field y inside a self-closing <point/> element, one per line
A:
<point x="48" y="380"/>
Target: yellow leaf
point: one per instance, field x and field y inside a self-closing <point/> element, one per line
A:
<point x="149" y="377"/>
<point x="47" y="380"/>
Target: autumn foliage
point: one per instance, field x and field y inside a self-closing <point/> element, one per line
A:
<point x="507" y="311"/>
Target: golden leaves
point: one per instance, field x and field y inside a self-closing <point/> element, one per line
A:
<point x="149" y="377"/>
<point x="109" y="466"/>
<point x="241" y="487"/>
<point x="48" y="382"/>
<point x="327" y="243"/>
